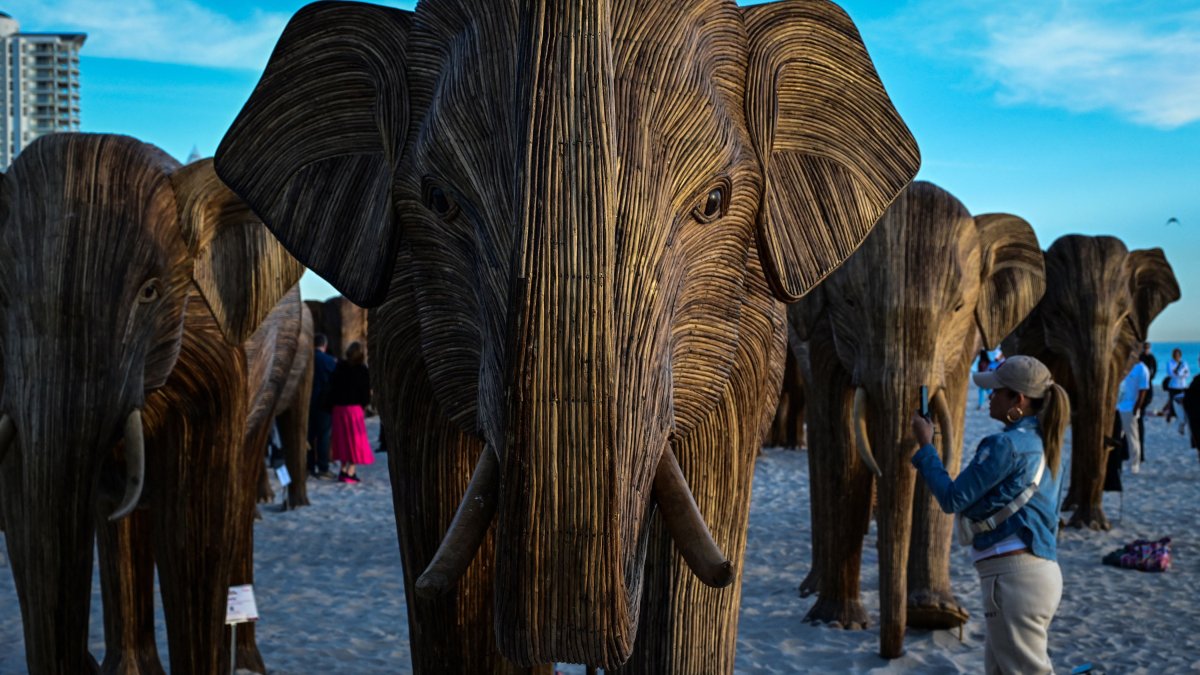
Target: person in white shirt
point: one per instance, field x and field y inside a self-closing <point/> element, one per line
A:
<point x="1178" y="378"/>
<point x="1129" y="406"/>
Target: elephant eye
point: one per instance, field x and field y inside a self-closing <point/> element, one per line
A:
<point x="149" y="292"/>
<point x="959" y="306"/>
<point x="438" y="200"/>
<point x="712" y="205"/>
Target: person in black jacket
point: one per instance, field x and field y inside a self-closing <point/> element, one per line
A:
<point x="320" y="414"/>
<point x="349" y="395"/>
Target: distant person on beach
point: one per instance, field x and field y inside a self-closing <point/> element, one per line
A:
<point x="1151" y="364"/>
<point x="984" y="365"/>
<point x="1130" y="404"/>
<point x="1178" y="378"/>
<point x="350" y="394"/>
<point x="1013" y="484"/>
<point x="320" y="414"/>
<point x="1191" y="409"/>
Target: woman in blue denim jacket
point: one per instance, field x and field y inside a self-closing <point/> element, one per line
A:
<point x="1014" y="547"/>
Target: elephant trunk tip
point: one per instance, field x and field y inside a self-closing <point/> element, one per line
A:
<point x="432" y="584"/>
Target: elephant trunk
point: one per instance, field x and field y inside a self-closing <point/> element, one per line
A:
<point x="47" y="494"/>
<point x="887" y="426"/>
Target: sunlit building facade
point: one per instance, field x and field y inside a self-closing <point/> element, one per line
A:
<point x="39" y="86"/>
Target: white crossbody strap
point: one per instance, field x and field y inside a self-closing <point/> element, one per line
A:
<point x="993" y="521"/>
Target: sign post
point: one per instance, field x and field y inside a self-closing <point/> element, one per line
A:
<point x="241" y="608"/>
<point x="285" y="479"/>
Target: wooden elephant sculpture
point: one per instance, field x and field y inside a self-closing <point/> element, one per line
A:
<point x="341" y="321"/>
<point x="1100" y="299"/>
<point x="576" y="228"/>
<point x="907" y="309"/>
<point x="128" y="285"/>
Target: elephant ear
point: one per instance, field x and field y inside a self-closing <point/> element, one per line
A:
<point x="833" y="149"/>
<point x="240" y="269"/>
<point x="1012" y="273"/>
<point x="1153" y="285"/>
<point x="314" y="149"/>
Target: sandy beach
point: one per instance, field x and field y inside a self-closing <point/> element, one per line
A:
<point x="331" y="594"/>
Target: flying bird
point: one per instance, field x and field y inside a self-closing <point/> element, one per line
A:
<point x="1172" y="221"/>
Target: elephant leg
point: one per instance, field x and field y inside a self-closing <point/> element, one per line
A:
<point x="196" y="492"/>
<point x="266" y="494"/>
<point x="840" y="489"/>
<point x="248" y="656"/>
<point x="127" y="587"/>
<point x="293" y="431"/>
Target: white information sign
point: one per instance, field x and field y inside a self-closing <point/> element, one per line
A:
<point x="241" y="606"/>
<point x="285" y="478"/>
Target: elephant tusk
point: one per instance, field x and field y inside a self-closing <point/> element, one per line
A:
<point x="686" y="525"/>
<point x="8" y="431"/>
<point x="467" y="530"/>
<point x="135" y="465"/>
<point x="941" y="412"/>
<point x="861" y="441"/>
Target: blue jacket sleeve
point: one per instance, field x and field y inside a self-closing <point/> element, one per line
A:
<point x="992" y="463"/>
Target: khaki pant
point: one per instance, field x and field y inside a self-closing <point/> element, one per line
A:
<point x="1020" y="596"/>
<point x="1130" y="427"/>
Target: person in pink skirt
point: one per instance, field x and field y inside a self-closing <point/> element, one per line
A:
<point x="350" y="394"/>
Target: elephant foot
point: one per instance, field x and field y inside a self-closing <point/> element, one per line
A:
<point x="935" y="610"/>
<point x="1091" y="517"/>
<point x="847" y="615"/>
<point x="810" y="583"/>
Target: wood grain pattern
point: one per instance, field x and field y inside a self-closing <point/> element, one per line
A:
<point x="342" y="322"/>
<point x="1099" y="302"/>
<point x="578" y="206"/>
<point x="905" y="310"/>
<point x="95" y="346"/>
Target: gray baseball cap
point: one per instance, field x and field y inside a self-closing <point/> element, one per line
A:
<point x="1022" y="374"/>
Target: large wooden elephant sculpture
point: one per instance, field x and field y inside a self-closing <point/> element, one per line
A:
<point x="579" y="226"/>
<point x="907" y="309"/>
<point x="128" y="285"/>
<point x="340" y="320"/>
<point x="1100" y="299"/>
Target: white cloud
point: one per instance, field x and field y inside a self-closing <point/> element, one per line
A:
<point x="1138" y="60"/>
<point x="163" y="31"/>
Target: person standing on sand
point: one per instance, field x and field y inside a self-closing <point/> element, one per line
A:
<point x="1178" y="377"/>
<point x="350" y="394"/>
<point x="1130" y="403"/>
<point x="320" y="416"/>
<point x="1009" y="496"/>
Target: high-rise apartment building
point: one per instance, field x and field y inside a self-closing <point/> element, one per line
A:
<point x="39" y="86"/>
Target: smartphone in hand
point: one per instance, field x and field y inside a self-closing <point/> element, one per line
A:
<point x="925" y="401"/>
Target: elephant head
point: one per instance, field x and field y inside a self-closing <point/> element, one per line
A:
<point x="1100" y="299"/>
<point x="102" y="241"/>
<point x="579" y="193"/>
<point x="907" y="309"/>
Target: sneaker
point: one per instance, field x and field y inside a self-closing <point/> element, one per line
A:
<point x="352" y="479"/>
<point x="325" y="475"/>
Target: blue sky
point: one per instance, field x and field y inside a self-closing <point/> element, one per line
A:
<point x="1077" y="116"/>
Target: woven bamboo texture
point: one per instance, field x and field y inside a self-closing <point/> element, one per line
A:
<point x="161" y="336"/>
<point x="907" y="309"/>
<point x="565" y="207"/>
<point x="1100" y="299"/>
